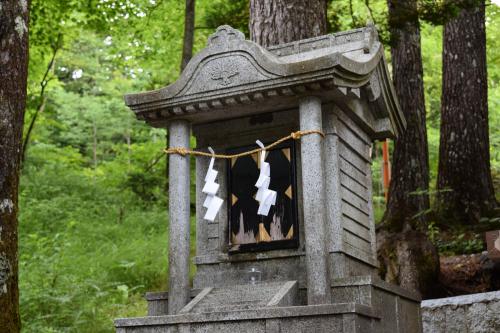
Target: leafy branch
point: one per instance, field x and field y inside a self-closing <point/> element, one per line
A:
<point x="42" y="96"/>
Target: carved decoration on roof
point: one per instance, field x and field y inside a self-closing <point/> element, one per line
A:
<point x="224" y="35"/>
<point x="224" y="74"/>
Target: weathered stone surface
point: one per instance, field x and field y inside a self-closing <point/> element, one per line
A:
<point x="244" y="297"/>
<point x="477" y="313"/>
<point x="158" y="302"/>
<point x="398" y="308"/>
<point x="179" y="217"/>
<point x="313" y="199"/>
<point x="345" y="264"/>
<point x="230" y="271"/>
<point x="317" y="318"/>
<point x="332" y="179"/>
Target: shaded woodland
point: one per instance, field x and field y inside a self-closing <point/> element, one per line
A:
<point x="92" y="202"/>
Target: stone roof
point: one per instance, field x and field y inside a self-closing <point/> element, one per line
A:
<point x="233" y="77"/>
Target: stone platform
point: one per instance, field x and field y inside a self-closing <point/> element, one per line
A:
<point x="345" y="317"/>
<point x="359" y="304"/>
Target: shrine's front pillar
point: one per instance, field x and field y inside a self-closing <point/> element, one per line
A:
<point x="313" y="198"/>
<point x="179" y="218"/>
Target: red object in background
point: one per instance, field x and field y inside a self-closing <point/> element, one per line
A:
<point x="386" y="168"/>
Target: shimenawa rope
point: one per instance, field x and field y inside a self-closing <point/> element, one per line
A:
<point x="294" y="135"/>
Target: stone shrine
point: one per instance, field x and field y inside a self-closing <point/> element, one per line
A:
<point x="310" y="264"/>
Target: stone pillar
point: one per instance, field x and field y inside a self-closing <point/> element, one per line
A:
<point x="179" y="218"/>
<point x="313" y="198"/>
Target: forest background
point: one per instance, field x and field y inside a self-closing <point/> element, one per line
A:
<point x="93" y="199"/>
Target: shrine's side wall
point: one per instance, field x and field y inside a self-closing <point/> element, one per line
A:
<point x="350" y="214"/>
<point x="355" y="179"/>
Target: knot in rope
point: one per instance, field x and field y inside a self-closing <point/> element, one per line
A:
<point x="296" y="135"/>
<point x="178" y="150"/>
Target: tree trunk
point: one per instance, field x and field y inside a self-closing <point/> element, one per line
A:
<point x="187" y="54"/>
<point x="187" y="46"/>
<point x="410" y="260"/>
<point x="405" y="219"/>
<point x="410" y="164"/>
<point x="464" y="180"/>
<point x="13" y="76"/>
<point x="283" y="21"/>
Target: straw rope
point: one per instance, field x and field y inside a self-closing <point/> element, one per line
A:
<point x="294" y="135"/>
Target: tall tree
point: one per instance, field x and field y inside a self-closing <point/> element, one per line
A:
<point x="402" y="232"/>
<point x="282" y="21"/>
<point x="187" y="49"/>
<point x="187" y="45"/>
<point x="13" y="82"/>
<point x="464" y="179"/>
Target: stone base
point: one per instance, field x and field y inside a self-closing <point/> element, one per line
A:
<point x="359" y="304"/>
<point x="347" y="317"/>
<point x="399" y="309"/>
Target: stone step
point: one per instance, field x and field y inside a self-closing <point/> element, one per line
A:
<point x="231" y="307"/>
<point x="248" y="288"/>
<point x="244" y="297"/>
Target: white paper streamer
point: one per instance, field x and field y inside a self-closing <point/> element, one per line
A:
<point x="264" y="196"/>
<point x="212" y="202"/>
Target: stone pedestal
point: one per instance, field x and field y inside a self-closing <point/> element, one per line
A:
<point x="359" y="304"/>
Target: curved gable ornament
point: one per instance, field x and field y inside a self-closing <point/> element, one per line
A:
<point x="228" y="60"/>
<point x="224" y="71"/>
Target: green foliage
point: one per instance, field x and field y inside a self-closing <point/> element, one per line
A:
<point x="432" y="232"/>
<point x="461" y="245"/>
<point x="232" y="12"/>
<point x="344" y="15"/>
<point x="86" y="245"/>
<point x="455" y="241"/>
<point x="493" y="57"/>
<point x="92" y="232"/>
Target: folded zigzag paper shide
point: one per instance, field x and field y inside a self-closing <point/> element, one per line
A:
<point x="264" y="196"/>
<point x="212" y="202"/>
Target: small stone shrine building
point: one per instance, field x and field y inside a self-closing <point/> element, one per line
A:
<point x="310" y="265"/>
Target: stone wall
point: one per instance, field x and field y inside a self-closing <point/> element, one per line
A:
<point x="476" y="313"/>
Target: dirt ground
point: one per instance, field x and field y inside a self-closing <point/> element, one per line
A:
<point x="467" y="274"/>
